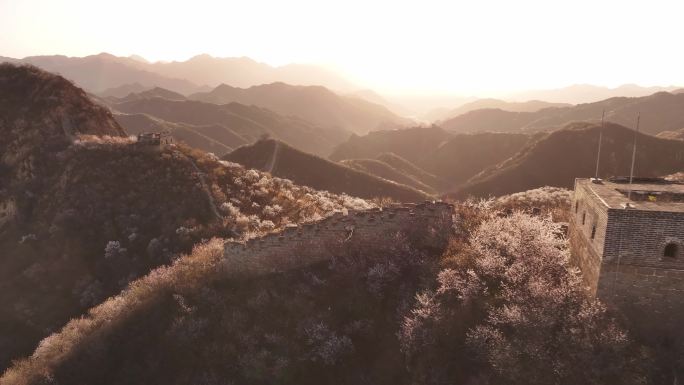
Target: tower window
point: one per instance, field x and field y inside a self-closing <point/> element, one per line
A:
<point x="593" y="231"/>
<point x="576" y="207"/>
<point x="584" y="217"/>
<point x="671" y="250"/>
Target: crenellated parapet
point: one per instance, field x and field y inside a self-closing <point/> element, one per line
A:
<point x="308" y="243"/>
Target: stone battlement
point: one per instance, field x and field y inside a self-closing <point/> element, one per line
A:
<point x="301" y="245"/>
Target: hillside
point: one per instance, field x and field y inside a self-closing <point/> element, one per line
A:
<point x="407" y="168"/>
<point x="40" y="114"/>
<point x="464" y="156"/>
<point x="123" y="90"/>
<point x="661" y="111"/>
<point x="305" y="169"/>
<point x="313" y="103"/>
<point x="107" y="73"/>
<point x="443" y="160"/>
<point x="233" y="121"/>
<point x="587" y="93"/>
<point x="412" y="144"/>
<point x="556" y="159"/>
<point x="385" y="171"/>
<point x="92" y="210"/>
<point x="210" y="138"/>
<point x="361" y="298"/>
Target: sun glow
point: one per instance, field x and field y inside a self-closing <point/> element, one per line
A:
<point x="466" y="47"/>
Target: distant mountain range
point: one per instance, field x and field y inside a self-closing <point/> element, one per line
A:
<point x="315" y="104"/>
<point x="311" y="118"/>
<point x="662" y="111"/>
<point x="587" y="93"/>
<point x="246" y="72"/>
<point x="97" y="73"/>
<point x="284" y="161"/>
<point x="109" y="74"/>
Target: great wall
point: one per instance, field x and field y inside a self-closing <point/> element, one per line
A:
<point x="310" y="243"/>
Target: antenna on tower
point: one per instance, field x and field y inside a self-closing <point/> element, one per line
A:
<point x="598" y="156"/>
<point x="631" y="171"/>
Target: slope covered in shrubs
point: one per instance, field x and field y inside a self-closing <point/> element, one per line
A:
<point x="113" y="211"/>
<point x="500" y="304"/>
<point x="95" y="209"/>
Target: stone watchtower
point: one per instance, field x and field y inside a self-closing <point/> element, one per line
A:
<point x="155" y="139"/>
<point x="631" y="249"/>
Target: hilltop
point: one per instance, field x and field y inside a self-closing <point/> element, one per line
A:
<point x="40" y="114"/>
<point x="235" y="124"/>
<point x="156" y="92"/>
<point x="557" y="158"/>
<point x="312" y="103"/>
<point x="305" y="169"/>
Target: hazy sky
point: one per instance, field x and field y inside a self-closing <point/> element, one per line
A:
<point x="393" y="46"/>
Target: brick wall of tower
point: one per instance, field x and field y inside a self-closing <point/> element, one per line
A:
<point x="587" y="253"/>
<point x="636" y="277"/>
<point x="296" y="247"/>
<point x="639" y="237"/>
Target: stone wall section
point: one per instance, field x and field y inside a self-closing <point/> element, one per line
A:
<point x="310" y="243"/>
